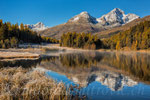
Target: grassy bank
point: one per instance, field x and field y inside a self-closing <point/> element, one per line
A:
<point x="22" y="84"/>
<point x="13" y="55"/>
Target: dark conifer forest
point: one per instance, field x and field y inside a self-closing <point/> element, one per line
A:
<point x="80" y="40"/>
<point x="13" y="34"/>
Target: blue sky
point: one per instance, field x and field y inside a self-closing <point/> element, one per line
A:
<point x="54" y="12"/>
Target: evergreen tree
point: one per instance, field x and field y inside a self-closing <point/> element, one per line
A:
<point x="118" y="45"/>
<point x="21" y="26"/>
<point x="1" y="22"/>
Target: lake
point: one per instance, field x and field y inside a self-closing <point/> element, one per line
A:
<point x="100" y="75"/>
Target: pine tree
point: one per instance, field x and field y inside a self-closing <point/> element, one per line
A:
<point x="118" y="45"/>
<point x="2" y="33"/>
<point x="135" y="45"/>
<point x="1" y="22"/>
<point x="21" y="26"/>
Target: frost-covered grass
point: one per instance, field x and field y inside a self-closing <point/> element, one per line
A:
<point x="24" y="84"/>
<point x="11" y="55"/>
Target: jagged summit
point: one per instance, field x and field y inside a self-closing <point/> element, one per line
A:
<point x="117" y="10"/>
<point x="116" y="17"/>
<point x="37" y="27"/>
<point x="83" y="17"/>
<point x="85" y="14"/>
<point x="39" y="23"/>
<point x="84" y="22"/>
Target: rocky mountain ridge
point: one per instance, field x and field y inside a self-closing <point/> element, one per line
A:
<point x="86" y="23"/>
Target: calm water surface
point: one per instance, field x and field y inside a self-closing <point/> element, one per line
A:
<point x="101" y="75"/>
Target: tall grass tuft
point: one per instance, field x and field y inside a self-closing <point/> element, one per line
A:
<point x="22" y="84"/>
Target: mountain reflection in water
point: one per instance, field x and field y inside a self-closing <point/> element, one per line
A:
<point x="115" y="72"/>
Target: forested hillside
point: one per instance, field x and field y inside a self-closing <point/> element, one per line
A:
<point x="80" y="40"/>
<point x="12" y="34"/>
<point x="137" y="37"/>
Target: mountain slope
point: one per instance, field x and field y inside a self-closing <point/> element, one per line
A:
<point x="112" y="31"/>
<point x="84" y="22"/>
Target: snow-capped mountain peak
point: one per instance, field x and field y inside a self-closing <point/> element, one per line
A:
<point x="85" y="14"/>
<point x="83" y="17"/>
<point x="39" y="24"/>
<point x="37" y="27"/>
<point x="116" y="17"/>
<point x="84" y="22"/>
<point x="117" y="10"/>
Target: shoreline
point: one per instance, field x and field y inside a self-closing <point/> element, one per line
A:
<point x="36" y="53"/>
<point x="102" y="50"/>
<point x="17" y="54"/>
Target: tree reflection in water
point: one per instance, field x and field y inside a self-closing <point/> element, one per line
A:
<point x="135" y="64"/>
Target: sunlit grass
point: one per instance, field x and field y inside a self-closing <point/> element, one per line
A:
<point x="22" y="84"/>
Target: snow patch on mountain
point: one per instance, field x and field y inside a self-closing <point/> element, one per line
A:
<point x="37" y="27"/>
<point x="83" y="17"/>
<point x="130" y="17"/>
<point x="76" y="18"/>
<point x="116" y="17"/>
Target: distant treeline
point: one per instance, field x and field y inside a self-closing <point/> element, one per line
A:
<point x="137" y="37"/>
<point x="12" y="34"/>
<point x="80" y="40"/>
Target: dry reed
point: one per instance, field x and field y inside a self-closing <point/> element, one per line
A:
<point x="22" y="84"/>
